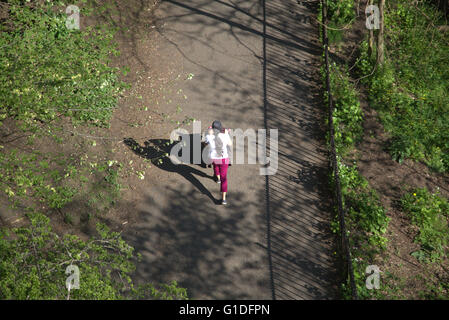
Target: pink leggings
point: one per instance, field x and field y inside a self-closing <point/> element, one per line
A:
<point x="221" y="169"/>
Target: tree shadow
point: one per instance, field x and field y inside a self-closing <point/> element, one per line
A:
<point x="212" y="251"/>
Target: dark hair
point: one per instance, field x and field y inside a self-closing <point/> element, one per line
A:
<point x="217" y="125"/>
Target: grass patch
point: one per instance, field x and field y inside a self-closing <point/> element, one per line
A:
<point x="413" y="106"/>
<point x="429" y="212"/>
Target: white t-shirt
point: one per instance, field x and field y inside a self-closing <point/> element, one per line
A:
<point x="226" y="140"/>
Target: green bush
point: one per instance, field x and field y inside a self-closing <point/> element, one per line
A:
<point x="48" y="71"/>
<point x="347" y="112"/>
<point x="430" y="213"/>
<point x="340" y="14"/>
<point x="366" y="218"/>
<point x="28" y="175"/>
<point x="366" y="224"/>
<point x="33" y="262"/>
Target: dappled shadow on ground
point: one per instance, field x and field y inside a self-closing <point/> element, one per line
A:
<point x="230" y="61"/>
<point x="278" y="243"/>
<point x="208" y="249"/>
<point x="133" y="21"/>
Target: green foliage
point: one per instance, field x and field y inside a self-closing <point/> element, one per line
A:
<point x="366" y="220"/>
<point x="340" y="14"/>
<point x="54" y="180"/>
<point x="34" y="259"/>
<point x="412" y="105"/>
<point x="364" y="62"/>
<point x="23" y="176"/>
<point x="430" y="213"/>
<point x="51" y="74"/>
<point x="347" y="112"/>
<point x="438" y="291"/>
<point x="48" y="71"/>
<point x="169" y="291"/>
<point x="366" y="216"/>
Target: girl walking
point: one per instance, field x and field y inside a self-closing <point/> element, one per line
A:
<point x="219" y="140"/>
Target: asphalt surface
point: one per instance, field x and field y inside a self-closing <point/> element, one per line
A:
<point x="255" y="66"/>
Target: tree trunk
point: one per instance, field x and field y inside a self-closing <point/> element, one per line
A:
<point x="371" y="37"/>
<point x="380" y="36"/>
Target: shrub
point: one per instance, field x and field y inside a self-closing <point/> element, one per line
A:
<point x="347" y="115"/>
<point x="48" y="71"/>
<point x="366" y="218"/>
<point x="366" y="224"/>
<point x="340" y="14"/>
<point x="33" y="261"/>
<point x="430" y="213"/>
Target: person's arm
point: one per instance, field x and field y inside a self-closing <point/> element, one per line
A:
<point x="228" y="137"/>
<point x="208" y="136"/>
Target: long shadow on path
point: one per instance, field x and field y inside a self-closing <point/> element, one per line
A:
<point x="211" y="252"/>
<point x="157" y="149"/>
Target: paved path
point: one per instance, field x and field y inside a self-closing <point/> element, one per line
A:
<point x="248" y="76"/>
